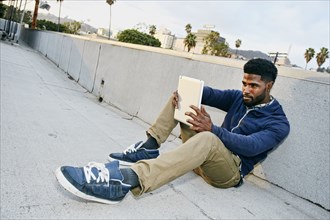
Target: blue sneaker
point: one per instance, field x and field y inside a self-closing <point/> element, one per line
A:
<point x="133" y="154"/>
<point x="96" y="182"/>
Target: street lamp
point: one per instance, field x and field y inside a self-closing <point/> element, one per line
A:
<point x="59" y="15"/>
<point x="110" y="2"/>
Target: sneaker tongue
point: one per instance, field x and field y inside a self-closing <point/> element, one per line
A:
<point x="114" y="170"/>
<point x="95" y="171"/>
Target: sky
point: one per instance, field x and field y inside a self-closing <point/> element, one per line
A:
<point x="268" y="26"/>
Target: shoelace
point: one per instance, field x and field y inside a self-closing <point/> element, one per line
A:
<point x="103" y="175"/>
<point x="132" y="148"/>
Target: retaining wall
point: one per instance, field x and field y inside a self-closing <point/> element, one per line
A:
<point x="139" y="79"/>
<point x="12" y="28"/>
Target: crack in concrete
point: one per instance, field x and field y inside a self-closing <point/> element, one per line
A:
<point x="196" y="205"/>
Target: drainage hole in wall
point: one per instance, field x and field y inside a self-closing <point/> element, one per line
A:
<point x="100" y="99"/>
<point x="102" y="82"/>
<point x="70" y="77"/>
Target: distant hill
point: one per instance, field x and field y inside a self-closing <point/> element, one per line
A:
<point x="250" y="54"/>
<point x="53" y="18"/>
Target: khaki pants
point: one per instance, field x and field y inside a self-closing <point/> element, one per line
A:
<point x="204" y="153"/>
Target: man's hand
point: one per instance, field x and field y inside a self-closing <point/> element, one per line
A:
<point x="175" y="99"/>
<point x="201" y="121"/>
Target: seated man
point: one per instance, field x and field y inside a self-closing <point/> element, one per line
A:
<point x="222" y="155"/>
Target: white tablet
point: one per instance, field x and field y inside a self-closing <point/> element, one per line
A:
<point x="190" y="92"/>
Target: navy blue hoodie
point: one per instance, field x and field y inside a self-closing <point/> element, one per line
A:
<point x="249" y="133"/>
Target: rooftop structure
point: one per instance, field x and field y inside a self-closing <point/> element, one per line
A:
<point x="281" y="59"/>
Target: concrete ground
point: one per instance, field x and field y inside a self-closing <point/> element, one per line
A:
<point x="48" y="120"/>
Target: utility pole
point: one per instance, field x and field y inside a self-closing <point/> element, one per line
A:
<point x="110" y="2"/>
<point x="110" y="23"/>
<point x="59" y="16"/>
<point x="22" y="16"/>
<point x="275" y="59"/>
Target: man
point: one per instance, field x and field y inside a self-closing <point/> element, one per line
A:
<point x="222" y="155"/>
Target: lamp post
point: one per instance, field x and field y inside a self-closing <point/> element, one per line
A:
<point x="22" y="16"/>
<point x="110" y="2"/>
<point x="59" y="15"/>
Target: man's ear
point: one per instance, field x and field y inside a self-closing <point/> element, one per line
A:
<point x="269" y="85"/>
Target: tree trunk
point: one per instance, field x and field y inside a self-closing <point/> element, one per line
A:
<point x="35" y="15"/>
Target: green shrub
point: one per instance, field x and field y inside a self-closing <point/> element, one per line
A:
<point x="135" y="37"/>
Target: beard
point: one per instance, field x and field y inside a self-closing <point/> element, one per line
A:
<point x="250" y="101"/>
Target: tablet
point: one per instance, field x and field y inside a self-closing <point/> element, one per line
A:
<point x="190" y="92"/>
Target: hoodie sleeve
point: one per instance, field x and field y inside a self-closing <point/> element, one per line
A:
<point x="256" y="143"/>
<point x="221" y="99"/>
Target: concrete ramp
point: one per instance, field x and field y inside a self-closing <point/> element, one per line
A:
<point x="48" y="120"/>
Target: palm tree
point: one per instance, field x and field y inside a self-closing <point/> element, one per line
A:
<point x="210" y="42"/>
<point x="110" y="2"/>
<point x="190" y="41"/>
<point x="152" y="30"/>
<point x="309" y="54"/>
<point x="238" y="43"/>
<point x="35" y="14"/>
<point x="322" y="56"/>
<point x="188" y="28"/>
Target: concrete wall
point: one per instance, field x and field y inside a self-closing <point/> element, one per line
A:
<point x="13" y="29"/>
<point x="139" y="80"/>
<point x="2" y="24"/>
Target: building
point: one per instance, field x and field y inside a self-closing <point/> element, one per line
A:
<point x="103" y="32"/>
<point x="281" y="58"/>
<point x="165" y="37"/>
<point x="178" y="43"/>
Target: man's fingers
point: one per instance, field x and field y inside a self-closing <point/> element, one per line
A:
<point x="175" y="100"/>
<point x="192" y="115"/>
<point x="200" y="121"/>
<point x="203" y="110"/>
<point x="197" y="110"/>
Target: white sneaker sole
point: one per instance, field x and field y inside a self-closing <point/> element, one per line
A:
<point x="123" y="163"/>
<point x="69" y="187"/>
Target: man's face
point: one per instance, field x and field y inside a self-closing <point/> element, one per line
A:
<point x="255" y="91"/>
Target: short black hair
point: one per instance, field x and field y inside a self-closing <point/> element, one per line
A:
<point x="265" y="68"/>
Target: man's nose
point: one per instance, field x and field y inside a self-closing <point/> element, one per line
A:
<point x="246" y="90"/>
